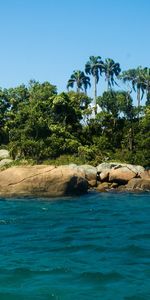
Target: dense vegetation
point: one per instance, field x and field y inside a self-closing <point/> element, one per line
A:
<point x="38" y="123"/>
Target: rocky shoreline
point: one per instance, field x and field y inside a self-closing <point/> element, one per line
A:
<point x="53" y="181"/>
<point x="72" y="179"/>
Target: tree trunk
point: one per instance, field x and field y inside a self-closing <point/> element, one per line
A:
<point x="107" y="79"/>
<point x="138" y="97"/>
<point x="95" y="94"/>
<point x="138" y="100"/>
<point x="131" y="138"/>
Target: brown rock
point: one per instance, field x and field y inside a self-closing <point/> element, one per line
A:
<point x="104" y="175"/>
<point x="90" y="172"/>
<point x="114" y="185"/>
<point x="138" y="184"/>
<point x="145" y="174"/>
<point x="92" y="183"/>
<point x="87" y="171"/>
<point x="121" y="175"/>
<point x="41" y="180"/>
<point x="103" y="187"/>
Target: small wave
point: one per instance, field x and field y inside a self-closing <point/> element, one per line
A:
<point x="136" y="297"/>
<point x="98" y="277"/>
<point x="7" y="222"/>
<point x="26" y="272"/>
<point x="136" y="250"/>
<point x="9" y="296"/>
<point x="141" y="236"/>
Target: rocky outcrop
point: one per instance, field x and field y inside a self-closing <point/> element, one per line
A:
<point x="126" y="176"/>
<point x="105" y="166"/>
<point x="4" y="154"/>
<point x="88" y="171"/>
<point x="52" y="181"/>
<point x="145" y="174"/>
<point x="104" y="175"/>
<point x="4" y="158"/>
<point x="41" y="180"/>
<point x="121" y="175"/>
<point x="138" y="184"/>
<point x="115" y="165"/>
<point x="104" y="186"/>
<point x="5" y="162"/>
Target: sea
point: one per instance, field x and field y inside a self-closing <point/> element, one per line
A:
<point x="92" y="247"/>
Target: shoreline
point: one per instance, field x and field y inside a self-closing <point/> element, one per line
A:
<point x="70" y="180"/>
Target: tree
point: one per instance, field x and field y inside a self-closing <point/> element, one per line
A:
<point x="17" y="95"/>
<point x="142" y="154"/>
<point x="94" y="67"/>
<point x="135" y="76"/>
<point x="110" y="69"/>
<point x="145" y="79"/>
<point x="116" y="103"/>
<point x="4" y="107"/>
<point x="79" y="79"/>
<point x="47" y="125"/>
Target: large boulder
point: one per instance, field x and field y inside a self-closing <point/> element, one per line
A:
<point x="5" y="161"/>
<point x="103" y="187"/>
<point x="104" y="175"/>
<point x="134" y="168"/>
<point x="116" y="165"/>
<point x="145" y="174"/>
<point x="41" y="180"/>
<point x="138" y="184"/>
<point x="4" y="154"/>
<point x="88" y="171"/>
<point x="105" y="166"/>
<point x="121" y="175"/>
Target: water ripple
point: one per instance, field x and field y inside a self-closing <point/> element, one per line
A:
<point x="91" y="247"/>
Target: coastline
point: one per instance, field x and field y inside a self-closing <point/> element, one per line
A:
<point x="69" y="180"/>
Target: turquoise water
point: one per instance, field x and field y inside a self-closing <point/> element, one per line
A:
<point x="92" y="247"/>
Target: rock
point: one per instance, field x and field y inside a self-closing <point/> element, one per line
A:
<point x="104" y="175"/>
<point x="89" y="172"/>
<point x="121" y="175"/>
<point x="114" y="185"/>
<point x="41" y="180"/>
<point x="134" y="168"/>
<point x="5" y="162"/>
<point x="138" y="184"/>
<point x="72" y="165"/>
<point x="4" y="154"/>
<point x="92" y="183"/>
<point x="116" y="165"/>
<point x="145" y="174"/>
<point x="103" y="187"/>
<point x="105" y="166"/>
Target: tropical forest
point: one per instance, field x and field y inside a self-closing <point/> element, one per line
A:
<point x="40" y="125"/>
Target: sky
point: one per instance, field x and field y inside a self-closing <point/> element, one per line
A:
<point x="47" y="40"/>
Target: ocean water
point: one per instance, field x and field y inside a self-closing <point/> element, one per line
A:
<point x="87" y="248"/>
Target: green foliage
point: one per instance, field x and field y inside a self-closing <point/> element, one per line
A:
<point x="80" y="79"/>
<point x="116" y="103"/>
<point x="65" y="159"/>
<point x="111" y="70"/>
<point x="37" y="124"/>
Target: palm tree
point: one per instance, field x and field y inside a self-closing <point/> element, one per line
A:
<point x="86" y="83"/>
<point x="79" y="79"/>
<point x="135" y="76"/>
<point x="111" y="69"/>
<point x="94" y="67"/>
<point x="145" y="79"/>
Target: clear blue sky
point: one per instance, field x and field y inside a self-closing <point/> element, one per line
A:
<point x="48" y="39"/>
